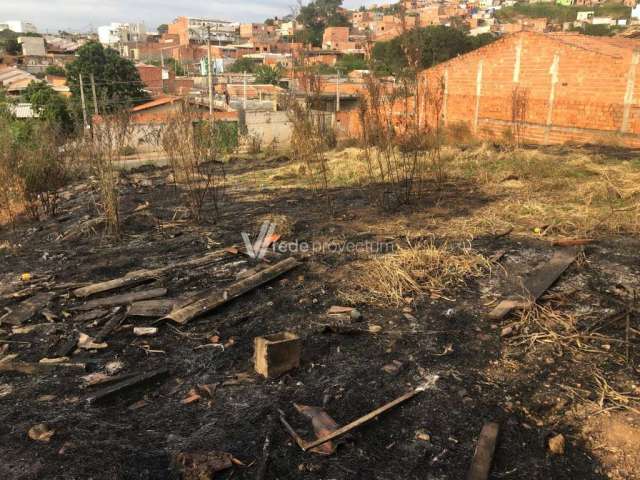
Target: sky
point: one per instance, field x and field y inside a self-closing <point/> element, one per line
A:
<point x="81" y="15"/>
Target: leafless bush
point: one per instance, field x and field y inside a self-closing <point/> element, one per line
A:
<point x="519" y="111"/>
<point x="396" y="143"/>
<point x="33" y="167"/>
<point x="43" y="170"/>
<point x="110" y="135"/>
<point x="10" y="186"/>
<point x="255" y="144"/>
<point x="312" y="135"/>
<point x="192" y="146"/>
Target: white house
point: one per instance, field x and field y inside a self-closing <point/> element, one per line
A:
<point x="584" y="16"/>
<point x="116" y="33"/>
<point x="32" y="46"/>
<point x="18" y="26"/>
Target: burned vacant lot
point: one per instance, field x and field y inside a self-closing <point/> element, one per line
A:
<point x="507" y="299"/>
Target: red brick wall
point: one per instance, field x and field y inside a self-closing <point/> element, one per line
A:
<point x="589" y="100"/>
<point x="151" y="77"/>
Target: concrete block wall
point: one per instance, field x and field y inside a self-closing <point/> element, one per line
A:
<point x="583" y="93"/>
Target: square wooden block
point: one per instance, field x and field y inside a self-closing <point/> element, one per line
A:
<point x="277" y="354"/>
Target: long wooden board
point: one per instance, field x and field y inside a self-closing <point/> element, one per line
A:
<point x="483" y="456"/>
<point x="142" y="276"/>
<point x="538" y="283"/>
<point x="124" y="299"/>
<point x="152" y="308"/>
<point x="112" y="390"/>
<point x="214" y="298"/>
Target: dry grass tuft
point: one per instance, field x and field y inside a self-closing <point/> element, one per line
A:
<point x="414" y="272"/>
<point x="580" y="338"/>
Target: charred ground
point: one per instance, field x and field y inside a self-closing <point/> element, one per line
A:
<point x="534" y="386"/>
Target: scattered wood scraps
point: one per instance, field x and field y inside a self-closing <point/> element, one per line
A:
<point x="537" y="283"/>
<point x="211" y="299"/>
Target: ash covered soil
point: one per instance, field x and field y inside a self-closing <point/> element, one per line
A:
<point x="534" y="390"/>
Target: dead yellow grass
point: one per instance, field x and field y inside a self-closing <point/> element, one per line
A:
<point x="413" y="272"/>
<point x="574" y="194"/>
<point x="569" y="192"/>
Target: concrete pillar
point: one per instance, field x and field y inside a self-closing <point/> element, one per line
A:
<point x="628" y="94"/>
<point x="516" y="65"/>
<point x="553" y="71"/>
<point x="478" y="93"/>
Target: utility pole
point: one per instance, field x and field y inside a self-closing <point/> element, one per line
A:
<point x="244" y="90"/>
<point x="209" y="81"/>
<point x="338" y="92"/>
<point x="95" y="98"/>
<point x="84" y="106"/>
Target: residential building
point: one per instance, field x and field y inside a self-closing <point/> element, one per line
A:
<point x="530" y="24"/>
<point x="287" y="29"/>
<point x="156" y="80"/>
<point x="584" y="16"/>
<point x="23" y="110"/>
<point x="251" y="31"/>
<point x="61" y="45"/>
<point x="603" y="21"/>
<point x="192" y="29"/>
<point x="387" y="28"/>
<point x="335" y="38"/>
<point x="32" y="46"/>
<point x="18" y="26"/>
<point x="14" y="80"/>
<point x="120" y="33"/>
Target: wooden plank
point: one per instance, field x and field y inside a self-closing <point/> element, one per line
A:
<point x="483" y="456"/>
<point x="124" y="299"/>
<point x="113" y="323"/>
<point x="67" y="346"/>
<point x="28" y="309"/>
<point x="37" y="368"/>
<point x="142" y="276"/>
<point x="119" y="387"/>
<point x="151" y="308"/>
<point x="130" y="280"/>
<point x="362" y="420"/>
<point x="538" y="283"/>
<point x="214" y="298"/>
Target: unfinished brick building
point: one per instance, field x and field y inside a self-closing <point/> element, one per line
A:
<point x="555" y="88"/>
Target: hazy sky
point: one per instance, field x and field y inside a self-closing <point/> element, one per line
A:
<point x="53" y="15"/>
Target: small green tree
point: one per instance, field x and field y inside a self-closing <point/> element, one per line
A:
<point x="163" y="28"/>
<point x="351" y="62"/>
<point x="117" y="80"/>
<point x="56" y="71"/>
<point x="9" y="42"/>
<point x="268" y="75"/>
<point x="428" y="46"/>
<point x="243" y="64"/>
<point x="318" y="15"/>
<point x="49" y="105"/>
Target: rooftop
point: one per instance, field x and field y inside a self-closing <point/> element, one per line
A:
<point x="154" y="103"/>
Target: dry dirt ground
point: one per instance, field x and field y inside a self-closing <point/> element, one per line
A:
<point x="568" y="367"/>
